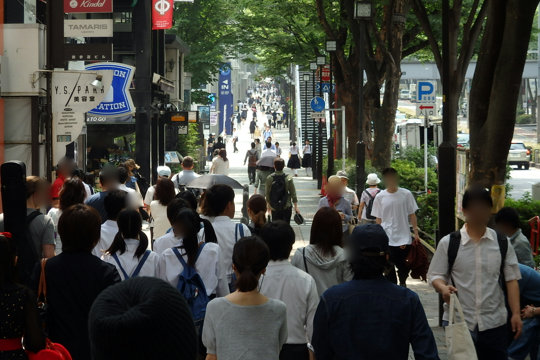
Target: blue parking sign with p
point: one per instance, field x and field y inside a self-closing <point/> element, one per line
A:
<point x="426" y="92"/>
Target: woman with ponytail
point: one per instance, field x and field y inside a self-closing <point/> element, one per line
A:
<point x="246" y="324"/>
<point x="128" y="251"/>
<point x="188" y="225"/>
<point x="257" y="208"/>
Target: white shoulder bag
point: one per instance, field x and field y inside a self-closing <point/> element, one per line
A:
<point x="458" y="337"/>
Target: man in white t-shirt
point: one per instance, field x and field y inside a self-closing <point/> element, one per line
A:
<point x="394" y="208"/>
<point x="367" y="198"/>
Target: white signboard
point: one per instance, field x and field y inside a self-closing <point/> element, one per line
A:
<point x="73" y="90"/>
<point x="318" y="115"/>
<point x="88" y="28"/>
<point x="213" y="118"/>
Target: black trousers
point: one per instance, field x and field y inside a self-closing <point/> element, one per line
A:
<point x="252" y="170"/>
<point x="491" y="344"/>
<point x="397" y="260"/>
<point x="294" y="352"/>
<point x="284" y="215"/>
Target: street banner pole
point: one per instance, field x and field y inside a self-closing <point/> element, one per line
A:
<point x="426" y="124"/>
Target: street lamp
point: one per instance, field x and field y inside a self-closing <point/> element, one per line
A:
<point x="363" y="11"/>
<point x="331" y="46"/>
<point x="321" y="61"/>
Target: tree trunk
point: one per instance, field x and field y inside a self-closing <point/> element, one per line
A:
<point x="495" y="87"/>
<point x="349" y="98"/>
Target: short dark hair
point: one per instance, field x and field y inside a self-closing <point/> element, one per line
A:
<point x="268" y="144"/>
<point x="476" y="193"/>
<point x="389" y="171"/>
<point x="508" y="216"/>
<point x="114" y="202"/>
<point x="72" y="192"/>
<point x="258" y="141"/>
<point x="250" y="257"/>
<point x="80" y="228"/>
<point x="174" y="208"/>
<point x="368" y="267"/>
<point x="187" y="162"/>
<point x="279" y="164"/>
<point x="277" y="144"/>
<point x="165" y="191"/>
<point x="217" y="198"/>
<point x="123" y="174"/>
<point x="188" y="197"/>
<point x="280" y="237"/>
<point x="109" y="174"/>
<point x="326" y="231"/>
<point x="253" y="145"/>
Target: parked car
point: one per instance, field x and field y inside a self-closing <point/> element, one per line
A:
<point x="463" y="141"/>
<point x="519" y="155"/>
<point x="405" y="94"/>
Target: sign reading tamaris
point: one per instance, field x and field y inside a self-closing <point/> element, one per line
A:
<point x="88" y="28"/>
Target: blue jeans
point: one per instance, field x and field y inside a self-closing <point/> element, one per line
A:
<point x="527" y="342"/>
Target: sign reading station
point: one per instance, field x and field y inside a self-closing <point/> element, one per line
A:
<point x="118" y="99"/>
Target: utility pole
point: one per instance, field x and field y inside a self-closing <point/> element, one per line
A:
<point x="319" y="127"/>
<point x="142" y="95"/>
<point x="314" y="150"/>
<point x="331" y="46"/>
<point x="360" y="145"/>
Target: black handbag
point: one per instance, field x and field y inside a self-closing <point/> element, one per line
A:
<point x="298" y="219"/>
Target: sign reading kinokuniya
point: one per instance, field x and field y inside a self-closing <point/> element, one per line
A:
<point x="88" y="6"/>
<point x="117" y="101"/>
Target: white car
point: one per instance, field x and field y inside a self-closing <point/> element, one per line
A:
<point x="519" y="155"/>
<point x="405" y="94"/>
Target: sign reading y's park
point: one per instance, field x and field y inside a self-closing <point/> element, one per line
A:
<point x="117" y="101"/>
<point x="88" y="6"/>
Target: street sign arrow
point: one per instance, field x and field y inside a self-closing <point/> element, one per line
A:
<point x="422" y="107"/>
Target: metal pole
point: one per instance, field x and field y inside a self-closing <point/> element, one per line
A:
<point x="330" y="170"/>
<point x="426" y="124"/>
<point x="320" y="138"/>
<point x="360" y="146"/>
<point x="343" y="138"/>
<point x="305" y="106"/>
<point x="314" y="149"/>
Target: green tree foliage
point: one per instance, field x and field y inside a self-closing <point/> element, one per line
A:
<point x="207" y="27"/>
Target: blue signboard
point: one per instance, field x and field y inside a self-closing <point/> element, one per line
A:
<point x="325" y="88"/>
<point x="425" y="92"/>
<point x="117" y="101"/>
<point x="317" y="104"/>
<point x="225" y="99"/>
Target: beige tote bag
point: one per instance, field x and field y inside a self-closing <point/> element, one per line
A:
<point x="458" y="338"/>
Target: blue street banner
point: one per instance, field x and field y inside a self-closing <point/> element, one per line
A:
<point x="117" y="101"/>
<point x="225" y="99"/>
<point x="325" y="88"/>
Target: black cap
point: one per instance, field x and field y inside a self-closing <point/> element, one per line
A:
<point x="369" y="240"/>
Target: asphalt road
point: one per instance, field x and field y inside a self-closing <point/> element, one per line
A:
<point x="522" y="181"/>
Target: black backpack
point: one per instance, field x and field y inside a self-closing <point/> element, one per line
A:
<point x="453" y="248"/>
<point x="369" y="206"/>
<point x="279" y="196"/>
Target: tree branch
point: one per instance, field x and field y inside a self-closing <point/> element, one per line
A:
<point x="421" y="13"/>
<point x="414" y="48"/>
<point x="470" y="38"/>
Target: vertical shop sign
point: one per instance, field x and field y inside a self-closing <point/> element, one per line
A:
<point x="225" y="99"/>
<point x="162" y="14"/>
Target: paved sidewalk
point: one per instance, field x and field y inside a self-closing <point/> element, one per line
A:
<point x="308" y="200"/>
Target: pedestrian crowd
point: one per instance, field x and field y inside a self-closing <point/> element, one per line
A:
<point x="92" y="283"/>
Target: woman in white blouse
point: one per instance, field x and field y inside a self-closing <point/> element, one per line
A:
<point x="128" y="251"/>
<point x="165" y="193"/>
<point x="220" y="165"/>
<point x="187" y="225"/>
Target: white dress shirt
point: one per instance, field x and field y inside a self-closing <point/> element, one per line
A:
<point x="475" y="274"/>
<point x="225" y="230"/>
<point x="184" y="177"/>
<point x="208" y="267"/>
<point x="135" y="199"/>
<point x="394" y="210"/>
<point x="129" y="262"/>
<point x="297" y="289"/>
<point x="109" y="229"/>
<point x="169" y="240"/>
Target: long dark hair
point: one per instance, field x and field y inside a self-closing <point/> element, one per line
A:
<point x="257" y="204"/>
<point x="7" y="262"/>
<point x="223" y="154"/>
<point x="250" y="257"/>
<point x="129" y="227"/>
<point x="326" y="231"/>
<point x="190" y="222"/>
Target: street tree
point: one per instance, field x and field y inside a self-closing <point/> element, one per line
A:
<point x="466" y="22"/>
<point x="496" y="85"/>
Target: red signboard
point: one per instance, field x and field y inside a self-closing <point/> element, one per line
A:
<point x="162" y="14"/>
<point x="88" y="6"/>
<point x="326" y="74"/>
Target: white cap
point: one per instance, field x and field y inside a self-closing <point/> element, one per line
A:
<point x="164" y="171"/>
<point x="373" y="179"/>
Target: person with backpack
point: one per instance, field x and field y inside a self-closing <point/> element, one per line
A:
<point x="348" y="193"/>
<point x="334" y="199"/>
<point x="253" y="156"/>
<point x="367" y="199"/>
<point x="128" y="252"/>
<point x="480" y="265"/>
<point x="281" y="193"/>
<point x="246" y="324"/>
<point x="394" y="209"/>
<point x="219" y="206"/>
<point x="185" y="176"/>
<point x="115" y="202"/>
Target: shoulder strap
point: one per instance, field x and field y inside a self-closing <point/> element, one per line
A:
<point x="141" y="263"/>
<point x="115" y="257"/>
<point x="305" y="262"/>
<point x="453" y="248"/>
<point x="180" y="257"/>
<point x="368" y="194"/>
<point x="503" y="247"/>
<point x="30" y="217"/>
<point x="239" y="229"/>
<point x="199" y="251"/>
